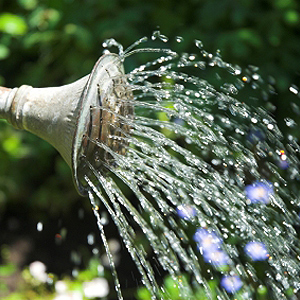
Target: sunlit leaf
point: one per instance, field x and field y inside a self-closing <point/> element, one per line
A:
<point x="143" y="294"/>
<point x="11" y="145"/>
<point x="262" y="290"/>
<point x="7" y="270"/>
<point x="292" y="17"/>
<point x="12" y="24"/>
<point x="15" y="296"/>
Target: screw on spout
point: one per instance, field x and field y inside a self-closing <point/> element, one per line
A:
<point x="6" y="99"/>
<point x="4" y="92"/>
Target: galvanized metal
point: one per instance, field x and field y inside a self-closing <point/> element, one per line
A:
<point x="71" y="116"/>
<point x="104" y="104"/>
<point x="49" y="113"/>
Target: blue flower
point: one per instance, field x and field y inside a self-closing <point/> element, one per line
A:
<point x="207" y="240"/>
<point x="256" y="251"/>
<point x="283" y="164"/>
<point x="259" y="192"/>
<point x="255" y="136"/>
<point x="186" y="212"/>
<point x="179" y="121"/>
<point x="217" y="258"/>
<point x="231" y="283"/>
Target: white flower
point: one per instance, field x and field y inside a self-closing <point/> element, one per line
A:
<point x="74" y="295"/>
<point x="38" y="270"/>
<point x="98" y="287"/>
<point x="114" y="246"/>
<point x="60" y="287"/>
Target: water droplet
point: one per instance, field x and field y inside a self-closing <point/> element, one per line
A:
<point x="237" y="70"/>
<point x="199" y="44"/>
<point x="195" y="144"/>
<point x="156" y="34"/>
<point x="95" y="251"/>
<point x="192" y="57"/>
<point x="294" y="89"/>
<point x="75" y="273"/>
<point x="80" y="213"/>
<point x="104" y="219"/>
<point x="253" y="68"/>
<point x="40" y="226"/>
<point x="91" y="239"/>
<point x="95" y="207"/>
<point x="179" y="39"/>
<point x="111" y="43"/>
<point x="290" y="122"/>
<point x="255" y="76"/>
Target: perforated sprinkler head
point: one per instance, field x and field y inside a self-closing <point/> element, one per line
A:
<point x="84" y="120"/>
<point x="105" y="107"/>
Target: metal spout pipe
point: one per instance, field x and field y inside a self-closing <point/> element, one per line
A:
<point x="49" y="113"/>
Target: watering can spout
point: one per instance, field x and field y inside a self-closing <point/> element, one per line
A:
<point x="70" y="115"/>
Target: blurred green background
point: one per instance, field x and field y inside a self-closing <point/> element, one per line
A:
<point x="54" y="42"/>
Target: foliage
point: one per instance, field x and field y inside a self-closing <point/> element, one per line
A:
<point x="171" y="291"/>
<point x="56" y="288"/>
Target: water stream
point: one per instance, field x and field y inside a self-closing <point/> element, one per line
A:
<point x="202" y="172"/>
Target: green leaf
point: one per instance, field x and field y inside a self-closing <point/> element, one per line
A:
<point x="85" y="275"/>
<point x="14" y="296"/>
<point x="3" y="287"/>
<point x="262" y="292"/>
<point x="281" y="4"/>
<point x="12" y="24"/>
<point x="94" y="267"/>
<point x="4" y="52"/>
<point x="12" y="145"/>
<point x="292" y="17"/>
<point x="171" y="287"/>
<point x="143" y="294"/>
<point x="7" y="270"/>
<point x="249" y="36"/>
<point x="28" y="4"/>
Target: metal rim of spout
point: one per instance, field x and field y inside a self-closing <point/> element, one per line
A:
<point x="106" y="69"/>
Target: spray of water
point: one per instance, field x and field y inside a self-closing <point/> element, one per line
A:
<point x="211" y="177"/>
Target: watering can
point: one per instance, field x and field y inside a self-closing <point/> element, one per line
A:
<point x="74" y="117"/>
